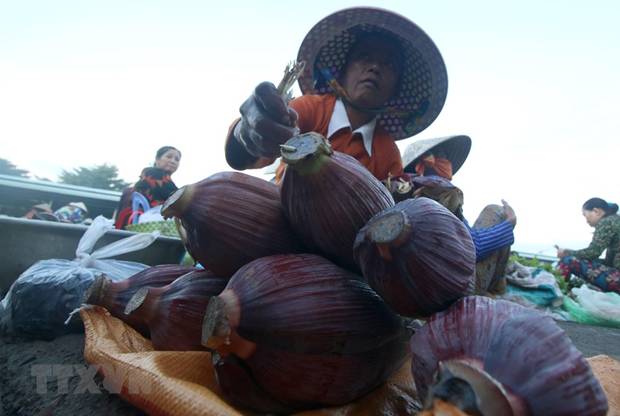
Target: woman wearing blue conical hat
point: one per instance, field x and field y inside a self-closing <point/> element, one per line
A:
<point x="432" y="162"/>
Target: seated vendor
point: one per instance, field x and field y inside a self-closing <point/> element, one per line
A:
<point x="431" y="164"/>
<point x="585" y="263"/>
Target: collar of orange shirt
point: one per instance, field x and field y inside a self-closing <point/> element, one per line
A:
<point x="340" y="120"/>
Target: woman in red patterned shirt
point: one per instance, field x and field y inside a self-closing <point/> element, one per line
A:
<point x="155" y="184"/>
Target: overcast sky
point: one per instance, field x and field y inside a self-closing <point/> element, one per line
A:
<point x="534" y="83"/>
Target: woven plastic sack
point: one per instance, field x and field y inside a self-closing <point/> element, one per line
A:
<point x="593" y="307"/>
<point x="607" y="370"/>
<point x="184" y="382"/>
<point x="43" y="296"/>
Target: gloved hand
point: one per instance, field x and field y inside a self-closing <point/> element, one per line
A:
<point x="266" y="122"/>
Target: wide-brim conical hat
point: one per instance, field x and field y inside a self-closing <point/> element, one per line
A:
<point x="456" y="149"/>
<point x="424" y="81"/>
<point x="80" y="205"/>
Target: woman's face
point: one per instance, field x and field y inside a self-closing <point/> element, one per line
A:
<point x="372" y="72"/>
<point x="169" y="161"/>
<point x="593" y="216"/>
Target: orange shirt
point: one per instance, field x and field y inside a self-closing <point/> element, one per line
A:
<point x="315" y="112"/>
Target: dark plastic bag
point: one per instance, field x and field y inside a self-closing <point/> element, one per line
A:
<point x="42" y="298"/>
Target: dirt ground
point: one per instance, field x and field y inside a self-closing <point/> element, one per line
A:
<point x="47" y="378"/>
<point x="594" y="340"/>
<point x="26" y="390"/>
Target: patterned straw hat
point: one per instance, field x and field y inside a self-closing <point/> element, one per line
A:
<point x="456" y="149"/>
<point x="424" y="81"/>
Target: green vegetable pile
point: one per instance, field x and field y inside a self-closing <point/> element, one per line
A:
<point x="565" y="287"/>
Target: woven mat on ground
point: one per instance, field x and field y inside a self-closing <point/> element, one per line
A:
<point x="183" y="383"/>
<point x="608" y="372"/>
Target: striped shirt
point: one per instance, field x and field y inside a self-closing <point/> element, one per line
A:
<point x="488" y="240"/>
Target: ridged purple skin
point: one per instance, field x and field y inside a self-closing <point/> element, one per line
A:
<point x="240" y="388"/>
<point x="431" y="270"/>
<point x="235" y="218"/>
<point x="115" y="295"/>
<point x="327" y="208"/>
<point x="305" y="303"/>
<point x="521" y="348"/>
<point x="433" y="181"/>
<point x="323" y="336"/>
<point x="175" y="321"/>
<point x="305" y="381"/>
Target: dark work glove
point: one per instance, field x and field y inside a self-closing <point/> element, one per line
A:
<point x="266" y="122"/>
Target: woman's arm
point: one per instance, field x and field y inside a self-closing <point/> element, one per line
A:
<point x="600" y="241"/>
<point x="487" y="240"/>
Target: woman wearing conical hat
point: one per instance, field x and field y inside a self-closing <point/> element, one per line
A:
<point x="371" y="77"/>
<point x="433" y="162"/>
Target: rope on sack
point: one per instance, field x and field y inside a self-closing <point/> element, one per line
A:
<point x="76" y="311"/>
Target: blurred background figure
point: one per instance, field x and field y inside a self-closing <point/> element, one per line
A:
<point x="41" y="212"/>
<point x="429" y="167"/>
<point x="74" y="212"/>
<point x="152" y="189"/>
<point x="585" y="263"/>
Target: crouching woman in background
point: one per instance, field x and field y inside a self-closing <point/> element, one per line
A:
<point x="585" y="263"/>
<point x="432" y="162"/>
